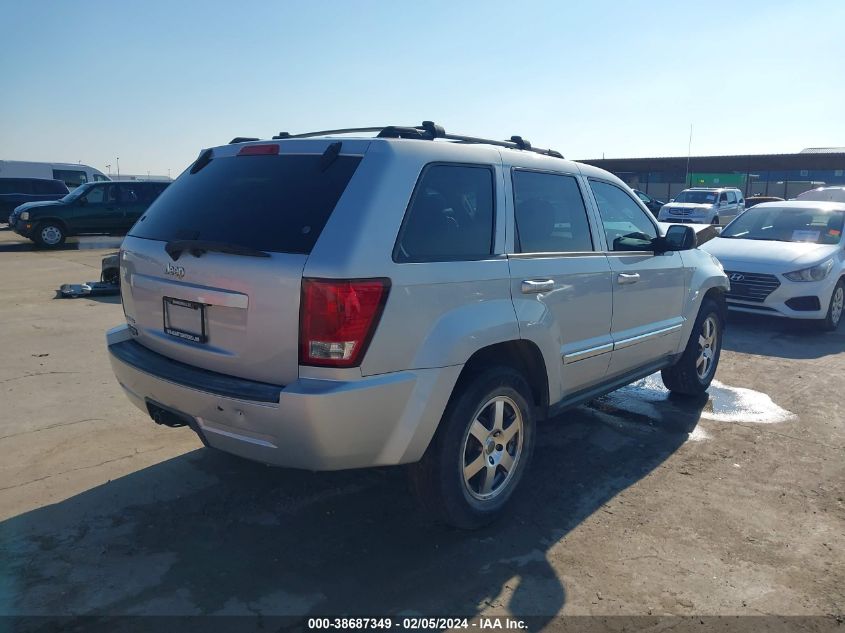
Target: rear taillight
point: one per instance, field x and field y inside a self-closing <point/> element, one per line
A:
<point x="337" y="319"/>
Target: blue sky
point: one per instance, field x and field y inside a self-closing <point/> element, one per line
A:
<point x="154" y="82"/>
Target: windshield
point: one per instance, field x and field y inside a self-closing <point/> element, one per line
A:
<point x="697" y="197"/>
<point x="76" y="193"/>
<point x="787" y="225"/>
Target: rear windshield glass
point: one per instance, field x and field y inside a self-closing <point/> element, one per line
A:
<point x="270" y="203"/>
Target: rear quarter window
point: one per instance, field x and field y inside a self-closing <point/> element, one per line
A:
<point x="450" y="217"/>
<point x="277" y="203"/>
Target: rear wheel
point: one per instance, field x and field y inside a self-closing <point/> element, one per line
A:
<point x="49" y="234"/>
<point x="835" y="308"/>
<point x="694" y="371"/>
<point x="480" y="451"/>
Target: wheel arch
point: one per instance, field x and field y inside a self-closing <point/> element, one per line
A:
<point x="520" y="354"/>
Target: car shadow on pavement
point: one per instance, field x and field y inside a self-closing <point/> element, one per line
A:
<point x="206" y="533"/>
<point x="763" y="335"/>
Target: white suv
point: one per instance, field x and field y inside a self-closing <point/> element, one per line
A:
<point x="415" y="298"/>
<point x="703" y="205"/>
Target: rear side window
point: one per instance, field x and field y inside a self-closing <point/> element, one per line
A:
<point x="450" y="217"/>
<point x="49" y="186"/>
<point x="274" y="203"/>
<point x="15" y="185"/>
<point x="550" y="213"/>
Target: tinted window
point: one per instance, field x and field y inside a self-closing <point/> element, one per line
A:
<point x="732" y="197"/>
<point x="550" y="214"/>
<point x="271" y="203"/>
<point x="96" y="195"/>
<point x="626" y="225"/>
<point x="450" y="216"/>
<point x="14" y="185"/>
<point x="71" y="177"/>
<point x="48" y="186"/>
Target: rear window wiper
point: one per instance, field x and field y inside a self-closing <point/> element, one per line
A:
<point x="197" y="248"/>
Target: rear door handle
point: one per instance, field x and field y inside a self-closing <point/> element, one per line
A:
<point x="628" y="278"/>
<point x="530" y="286"/>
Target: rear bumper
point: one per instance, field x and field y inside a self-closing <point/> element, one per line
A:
<point x="312" y="423"/>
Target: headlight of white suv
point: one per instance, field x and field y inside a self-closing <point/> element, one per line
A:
<point x="24" y="215"/>
<point x="815" y="273"/>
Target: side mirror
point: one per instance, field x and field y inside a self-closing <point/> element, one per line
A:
<point x="678" y="238"/>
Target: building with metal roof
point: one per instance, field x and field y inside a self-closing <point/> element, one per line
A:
<point x="782" y="175"/>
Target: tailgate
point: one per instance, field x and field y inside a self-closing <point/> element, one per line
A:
<point x="242" y="312"/>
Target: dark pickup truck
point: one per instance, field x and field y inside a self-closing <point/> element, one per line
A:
<point x="17" y="191"/>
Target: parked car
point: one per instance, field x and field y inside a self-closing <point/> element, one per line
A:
<point x="826" y="194"/>
<point x="704" y="205"/>
<point x="751" y="201"/>
<point x="332" y="303"/>
<point x="786" y="259"/>
<point x="17" y="191"/>
<point x="654" y="205"/>
<point x="110" y="208"/>
<point x="72" y="174"/>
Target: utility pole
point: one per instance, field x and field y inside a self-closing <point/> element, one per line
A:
<point x="118" y="167"/>
<point x="689" y="153"/>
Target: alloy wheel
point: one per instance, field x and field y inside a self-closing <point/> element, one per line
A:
<point x="836" y="305"/>
<point x="707" y="340"/>
<point x="492" y="448"/>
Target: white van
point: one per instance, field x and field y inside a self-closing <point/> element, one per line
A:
<point x="72" y="174"/>
<point x="823" y="194"/>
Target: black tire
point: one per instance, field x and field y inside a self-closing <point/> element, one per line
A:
<point x="683" y="377"/>
<point x="438" y="479"/>
<point x="49" y="234"/>
<point x="832" y="319"/>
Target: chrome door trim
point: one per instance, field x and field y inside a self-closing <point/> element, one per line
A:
<point x="635" y="340"/>
<point x="590" y="352"/>
<point x="553" y="254"/>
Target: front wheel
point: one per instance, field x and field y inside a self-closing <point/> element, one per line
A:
<point x="694" y="371"/>
<point x="49" y="235"/>
<point x="480" y="451"/>
<point x="834" y="309"/>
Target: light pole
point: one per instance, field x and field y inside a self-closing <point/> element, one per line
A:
<point x="118" y="167"/>
<point x="108" y="169"/>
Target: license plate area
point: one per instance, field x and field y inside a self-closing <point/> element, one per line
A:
<point x="185" y="319"/>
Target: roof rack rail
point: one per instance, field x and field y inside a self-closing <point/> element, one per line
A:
<point x="428" y="131"/>
<point x="243" y="139"/>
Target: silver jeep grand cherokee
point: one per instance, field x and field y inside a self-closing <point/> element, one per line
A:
<point x="326" y="302"/>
